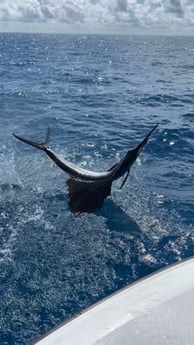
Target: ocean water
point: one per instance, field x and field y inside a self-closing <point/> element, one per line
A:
<point x="100" y="95"/>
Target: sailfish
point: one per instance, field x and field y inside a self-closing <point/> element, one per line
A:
<point x="87" y="189"/>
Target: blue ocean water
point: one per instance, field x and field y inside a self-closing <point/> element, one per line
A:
<point x="100" y="95"/>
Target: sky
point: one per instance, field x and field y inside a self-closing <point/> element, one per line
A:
<point x="98" y="16"/>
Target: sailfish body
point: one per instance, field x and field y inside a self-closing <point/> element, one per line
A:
<point x="88" y="189"/>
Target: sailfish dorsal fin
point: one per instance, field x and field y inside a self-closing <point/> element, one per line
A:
<point x="87" y="197"/>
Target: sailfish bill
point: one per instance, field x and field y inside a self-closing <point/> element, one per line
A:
<point x="87" y="189"/>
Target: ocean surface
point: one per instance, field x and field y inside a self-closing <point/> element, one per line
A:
<point x="100" y="95"/>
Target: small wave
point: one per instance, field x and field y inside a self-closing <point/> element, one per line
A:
<point x="189" y="116"/>
<point x="82" y="80"/>
<point x="156" y="63"/>
<point x="163" y="81"/>
<point x="159" y="99"/>
<point x="10" y="95"/>
<point x="21" y="63"/>
<point x="189" y="66"/>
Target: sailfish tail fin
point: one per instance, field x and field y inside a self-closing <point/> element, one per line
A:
<point x="47" y="137"/>
<point x="140" y="146"/>
<point x="40" y="146"/>
<point x="132" y="154"/>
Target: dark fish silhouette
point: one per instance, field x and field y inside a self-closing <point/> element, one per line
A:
<point x="88" y="189"/>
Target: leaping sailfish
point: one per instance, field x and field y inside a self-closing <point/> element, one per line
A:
<point x="87" y="190"/>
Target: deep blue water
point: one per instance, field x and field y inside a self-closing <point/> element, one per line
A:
<point x="100" y="95"/>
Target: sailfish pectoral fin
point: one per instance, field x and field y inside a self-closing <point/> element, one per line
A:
<point x="40" y="146"/>
<point x="86" y="196"/>
<point x="125" y="179"/>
